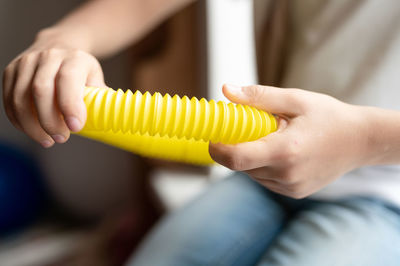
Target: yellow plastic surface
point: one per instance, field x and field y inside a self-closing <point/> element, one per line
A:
<point x="170" y="127"/>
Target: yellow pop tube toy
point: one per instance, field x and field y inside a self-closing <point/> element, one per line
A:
<point x="170" y="127"/>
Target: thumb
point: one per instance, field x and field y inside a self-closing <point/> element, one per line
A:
<point x="271" y="99"/>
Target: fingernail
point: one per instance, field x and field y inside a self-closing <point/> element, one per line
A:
<point x="73" y="123"/>
<point x="46" y="143"/>
<point x="58" y="138"/>
<point x="235" y="90"/>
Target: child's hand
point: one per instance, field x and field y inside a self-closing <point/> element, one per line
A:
<point x="43" y="90"/>
<point x="319" y="138"/>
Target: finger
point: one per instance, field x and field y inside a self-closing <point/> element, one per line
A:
<point x="96" y="77"/>
<point x="43" y="89"/>
<point x="266" y="173"/>
<point x="23" y="106"/>
<point x="249" y="155"/>
<point x="9" y="78"/>
<point x="269" y="183"/>
<point x="296" y="191"/>
<point x="267" y="98"/>
<point x="272" y="185"/>
<point x="70" y="82"/>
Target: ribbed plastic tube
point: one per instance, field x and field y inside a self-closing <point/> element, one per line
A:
<point x="171" y="128"/>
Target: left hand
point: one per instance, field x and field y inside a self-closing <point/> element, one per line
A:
<point x="319" y="138"/>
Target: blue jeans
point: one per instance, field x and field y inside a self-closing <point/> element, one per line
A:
<point x="238" y="222"/>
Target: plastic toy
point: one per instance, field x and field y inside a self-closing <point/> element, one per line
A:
<point x="170" y="127"/>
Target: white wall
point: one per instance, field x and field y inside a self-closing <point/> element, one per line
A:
<point x="87" y="177"/>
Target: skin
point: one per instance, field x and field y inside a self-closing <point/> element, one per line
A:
<point x="43" y="86"/>
<point x="319" y="137"/>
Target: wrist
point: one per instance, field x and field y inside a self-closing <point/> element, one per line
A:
<point x="382" y="136"/>
<point x="63" y="38"/>
<point x="359" y="136"/>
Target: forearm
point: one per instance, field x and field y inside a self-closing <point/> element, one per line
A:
<point x="103" y="27"/>
<point x="383" y="135"/>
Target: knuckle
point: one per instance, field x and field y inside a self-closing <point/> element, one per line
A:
<point x="16" y="104"/>
<point x="255" y="92"/>
<point x="78" y="53"/>
<point x="40" y="88"/>
<point x="27" y="59"/>
<point x="52" y="52"/>
<point x="298" y="93"/>
<point x="291" y="154"/>
<point x="300" y="98"/>
<point x="67" y="73"/>
<point x="50" y="127"/>
<point x="67" y="107"/>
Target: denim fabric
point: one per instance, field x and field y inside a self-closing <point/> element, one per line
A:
<point x="238" y="222"/>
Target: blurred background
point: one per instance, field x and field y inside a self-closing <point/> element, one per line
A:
<point x="85" y="203"/>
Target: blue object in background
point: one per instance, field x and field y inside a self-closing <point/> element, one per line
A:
<point x="22" y="192"/>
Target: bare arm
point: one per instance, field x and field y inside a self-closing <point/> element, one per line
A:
<point x="43" y="86"/>
<point x="103" y="27"/>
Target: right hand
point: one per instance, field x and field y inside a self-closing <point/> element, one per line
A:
<point x="43" y="90"/>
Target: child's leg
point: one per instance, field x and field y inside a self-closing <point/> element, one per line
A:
<point x="352" y="232"/>
<point x="231" y="224"/>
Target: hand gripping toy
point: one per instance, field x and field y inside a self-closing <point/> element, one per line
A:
<point x="170" y="127"/>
